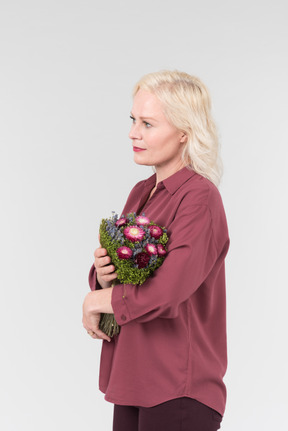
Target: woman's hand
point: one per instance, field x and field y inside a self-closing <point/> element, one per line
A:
<point x="92" y="326"/>
<point x="105" y="272"/>
<point x="95" y="303"/>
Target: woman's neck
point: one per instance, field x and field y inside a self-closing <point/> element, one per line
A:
<point x="162" y="174"/>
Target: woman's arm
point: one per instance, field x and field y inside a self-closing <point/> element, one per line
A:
<point x="197" y="247"/>
<point x="99" y="299"/>
<point x="95" y="303"/>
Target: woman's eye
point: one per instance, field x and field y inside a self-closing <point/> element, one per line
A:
<point x="147" y="125"/>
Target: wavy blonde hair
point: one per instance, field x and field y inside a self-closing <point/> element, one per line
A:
<point x="187" y="105"/>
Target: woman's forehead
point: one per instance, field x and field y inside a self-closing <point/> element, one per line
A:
<point x="146" y="104"/>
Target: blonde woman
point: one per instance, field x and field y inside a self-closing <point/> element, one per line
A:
<point x="165" y="369"/>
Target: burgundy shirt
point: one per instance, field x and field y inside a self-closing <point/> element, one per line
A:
<point x="172" y="341"/>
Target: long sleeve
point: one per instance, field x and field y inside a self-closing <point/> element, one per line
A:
<point x="192" y="253"/>
<point x="92" y="279"/>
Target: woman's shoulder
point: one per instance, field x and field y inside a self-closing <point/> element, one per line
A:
<point x="137" y="187"/>
<point x="201" y="191"/>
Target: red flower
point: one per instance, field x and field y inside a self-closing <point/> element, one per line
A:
<point x="151" y="249"/>
<point x="161" y="250"/>
<point x="142" y="259"/>
<point x="141" y="220"/>
<point x="155" y="231"/>
<point x="121" y="222"/>
<point x="124" y="252"/>
<point x="134" y="233"/>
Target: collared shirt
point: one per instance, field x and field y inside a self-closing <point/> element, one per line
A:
<point x="172" y="341"/>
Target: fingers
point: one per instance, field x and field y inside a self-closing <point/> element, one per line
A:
<point x="92" y="334"/>
<point x="101" y="263"/>
<point x="95" y="332"/>
<point x="100" y="252"/>
<point x="109" y="277"/>
<point x="99" y="335"/>
<point x="101" y="258"/>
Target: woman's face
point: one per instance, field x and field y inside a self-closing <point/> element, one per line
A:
<point x="162" y="143"/>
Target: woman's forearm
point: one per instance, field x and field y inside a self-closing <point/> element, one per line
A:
<point x="99" y="301"/>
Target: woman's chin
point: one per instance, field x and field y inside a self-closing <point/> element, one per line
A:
<point x="139" y="161"/>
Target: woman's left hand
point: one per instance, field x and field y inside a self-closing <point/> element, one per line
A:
<point x="91" y="316"/>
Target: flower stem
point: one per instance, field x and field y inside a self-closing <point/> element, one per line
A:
<point x="108" y="322"/>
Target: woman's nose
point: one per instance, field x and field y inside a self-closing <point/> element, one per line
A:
<point x="134" y="132"/>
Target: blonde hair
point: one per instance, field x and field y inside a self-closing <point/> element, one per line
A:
<point x="187" y="105"/>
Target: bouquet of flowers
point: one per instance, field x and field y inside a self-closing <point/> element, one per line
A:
<point x="136" y="247"/>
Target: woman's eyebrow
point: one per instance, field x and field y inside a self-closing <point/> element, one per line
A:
<point x="141" y="118"/>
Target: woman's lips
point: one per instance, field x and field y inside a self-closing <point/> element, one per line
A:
<point x="138" y="149"/>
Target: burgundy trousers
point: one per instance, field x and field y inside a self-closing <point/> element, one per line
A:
<point x="181" y="414"/>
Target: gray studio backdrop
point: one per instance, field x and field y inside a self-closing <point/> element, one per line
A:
<point x="67" y="71"/>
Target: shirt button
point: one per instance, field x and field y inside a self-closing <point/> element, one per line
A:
<point x="123" y="317"/>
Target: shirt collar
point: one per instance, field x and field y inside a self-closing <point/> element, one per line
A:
<point x="173" y="182"/>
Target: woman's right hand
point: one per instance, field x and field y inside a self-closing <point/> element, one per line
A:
<point x="105" y="272"/>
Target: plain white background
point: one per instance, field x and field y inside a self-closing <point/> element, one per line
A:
<point x="67" y="72"/>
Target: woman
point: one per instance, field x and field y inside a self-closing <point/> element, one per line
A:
<point x="165" y="369"/>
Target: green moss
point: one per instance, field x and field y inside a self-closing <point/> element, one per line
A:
<point x="127" y="273"/>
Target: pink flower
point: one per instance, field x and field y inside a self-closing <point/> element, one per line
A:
<point x="121" y="222"/>
<point x="142" y="259"/>
<point x="161" y="250"/>
<point x="124" y="252"/>
<point x="134" y="233"/>
<point x="151" y="249"/>
<point x="141" y="220"/>
<point x="155" y="231"/>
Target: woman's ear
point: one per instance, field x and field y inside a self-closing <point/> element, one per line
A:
<point x="183" y="138"/>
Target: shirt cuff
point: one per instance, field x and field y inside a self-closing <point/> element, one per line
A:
<point x="92" y="278"/>
<point x="119" y="305"/>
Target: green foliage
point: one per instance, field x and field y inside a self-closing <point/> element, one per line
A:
<point x="112" y="238"/>
<point x="125" y="268"/>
